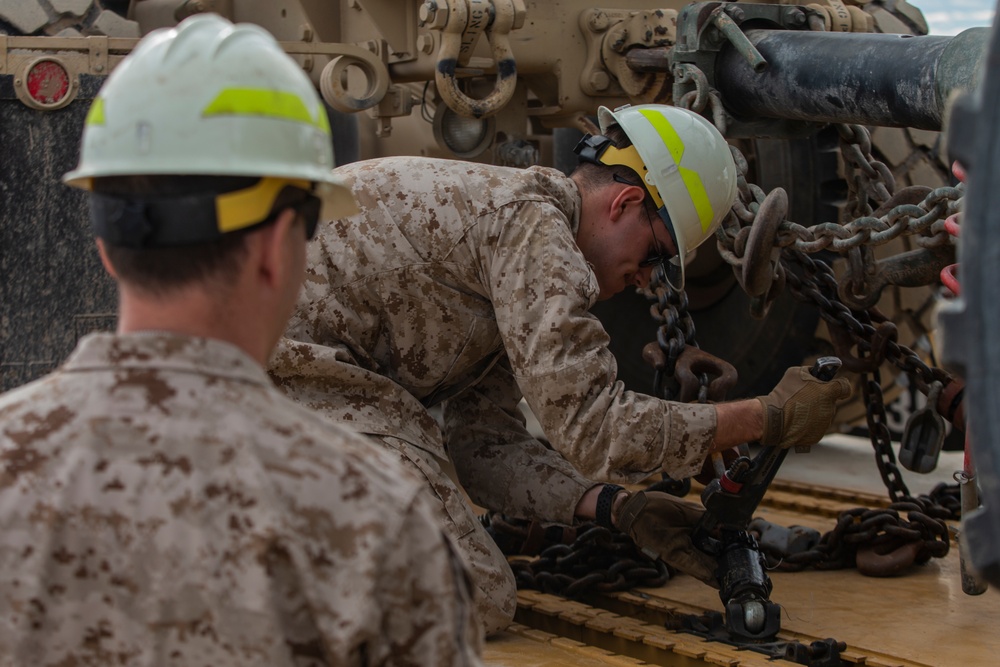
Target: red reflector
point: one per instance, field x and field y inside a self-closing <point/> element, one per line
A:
<point x="47" y="82"/>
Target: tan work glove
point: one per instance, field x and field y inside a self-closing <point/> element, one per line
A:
<point x="660" y="525"/>
<point x="800" y="409"/>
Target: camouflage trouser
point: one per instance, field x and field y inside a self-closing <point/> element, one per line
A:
<point x="496" y="592"/>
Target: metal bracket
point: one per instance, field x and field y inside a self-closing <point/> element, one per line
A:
<point x="595" y="79"/>
<point x="98" y="54"/>
<point x="705" y="28"/>
<point x="613" y="36"/>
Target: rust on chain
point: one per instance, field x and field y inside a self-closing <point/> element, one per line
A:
<point x="879" y="542"/>
<point x="843" y="343"/>
<point x="692" y="364"/>
<point x="818" y="285"/>
<point x="951" y="404"/>
<point x="654" y="355"/>
<point x="759" y="257"/>
<point x="862" y="285"/>
<point x="860" y="266"/>
<point x="871" y="563"/>
<point x="911" y="195"/>
<point x="759" y="305"/>
<point x="914" y="210"/>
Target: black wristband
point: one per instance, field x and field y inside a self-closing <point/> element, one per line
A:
<point x="605" y="500"/>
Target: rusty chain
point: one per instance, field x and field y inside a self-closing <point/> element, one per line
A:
<point x="768" y="253"/>
<point x="587" y="559"/>
<point x="875" y="338"/>
<point x="675" y="332"/>
<point x="924" y="219"/>
<point x="893" y="540"/>
<point x="816" y="284"/>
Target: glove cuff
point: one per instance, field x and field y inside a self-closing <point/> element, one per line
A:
<point x="605" y="500"/>
<point x="773" y="423"/>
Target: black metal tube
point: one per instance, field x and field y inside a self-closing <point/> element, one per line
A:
<point x="867" y="78"/>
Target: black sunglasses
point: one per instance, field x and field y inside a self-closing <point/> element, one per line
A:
<point x="306" y="205"/>
<point x="309" y="210"/>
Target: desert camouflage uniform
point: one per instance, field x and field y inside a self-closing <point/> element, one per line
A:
<point x="462" y="283"/>
<point x="161" y="503"/>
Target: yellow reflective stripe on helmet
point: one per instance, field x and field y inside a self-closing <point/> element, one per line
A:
<point x="263" y="102"/>
<point x="667" y="133"/>
<point x="243" y="208"/>
<point x="699" y="197"/>
<point x="95" y="115"/>
<point x="692" y="179"/>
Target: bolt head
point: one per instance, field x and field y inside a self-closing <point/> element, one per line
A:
<point x="425" y="43"/>
<point x="426" y="12"/>
<point x="600" y="80"/>
<point x="599" y="21"/>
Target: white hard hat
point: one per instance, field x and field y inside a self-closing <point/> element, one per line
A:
<point x="685" y="164"/>
<point x="216" y="99"/>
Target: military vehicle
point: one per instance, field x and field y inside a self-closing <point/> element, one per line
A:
<point x="377" y="65"/>
<point x="835" y="246"/>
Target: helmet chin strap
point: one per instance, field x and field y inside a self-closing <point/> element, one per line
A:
<point x="598" y="149"/>
<point x="135" y="221"/>
<point x="671" y="269"/>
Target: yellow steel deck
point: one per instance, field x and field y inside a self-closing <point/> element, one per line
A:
<point x="921" y="618"/>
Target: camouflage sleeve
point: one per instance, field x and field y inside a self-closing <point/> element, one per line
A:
<point x="430" y="614"/>
<point x="542" y="290"/>
<point x="500" y="464"/>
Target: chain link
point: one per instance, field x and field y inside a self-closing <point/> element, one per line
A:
<point x="880" y="529"/>
<point x="675" y="331"/>
<point x="811" y="280"/>
<point x="574" y="564"/>
<point x="815" y="282"/>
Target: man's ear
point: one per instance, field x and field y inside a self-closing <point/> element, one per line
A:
<point x="270" y="246"/>
<point x="103" y="252"/>
<point x="627" y="196"/>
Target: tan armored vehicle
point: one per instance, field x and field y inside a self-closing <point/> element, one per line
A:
<point x="514" y="82"/>
<point x="835" y="247"/>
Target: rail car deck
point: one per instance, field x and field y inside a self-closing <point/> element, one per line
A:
<point x="920" y="618"/>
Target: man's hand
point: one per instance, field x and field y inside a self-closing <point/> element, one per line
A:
<point x="660" y="525"/>
<point x="800" y="409"/>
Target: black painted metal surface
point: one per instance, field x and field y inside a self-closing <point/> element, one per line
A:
<point x="53" y="289"/>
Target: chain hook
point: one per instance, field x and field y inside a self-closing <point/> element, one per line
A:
<point x="923" y="436"/>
